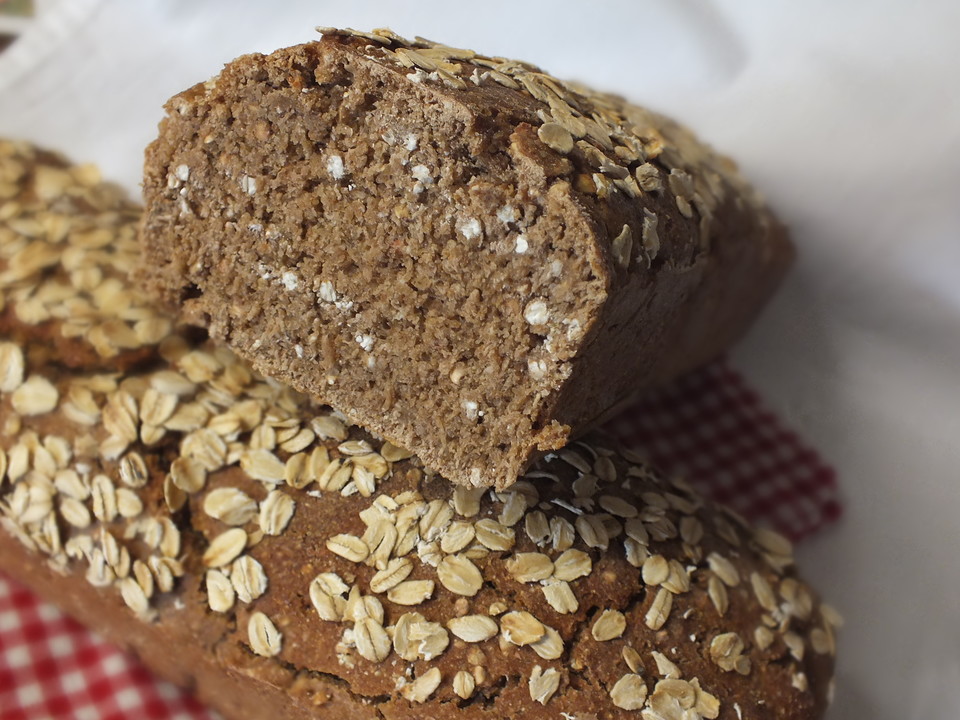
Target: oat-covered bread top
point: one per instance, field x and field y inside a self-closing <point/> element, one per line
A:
<point x="233" y="515"/>
<point x="462" y="254"/>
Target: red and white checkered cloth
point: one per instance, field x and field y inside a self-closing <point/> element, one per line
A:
<point x="709" y="427"/>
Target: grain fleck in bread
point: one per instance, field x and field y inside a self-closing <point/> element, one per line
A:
<point x="252" y="545"/>
<point x="463" y="254"/>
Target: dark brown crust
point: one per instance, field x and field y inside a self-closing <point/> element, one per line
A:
<point x="626" y="326"/>
<point x="317" y="670"/>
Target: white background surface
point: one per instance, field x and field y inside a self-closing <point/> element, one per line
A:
<point x="846" y="114"/>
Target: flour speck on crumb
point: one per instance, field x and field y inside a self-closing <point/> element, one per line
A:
<point x="335" y="167"/>
<point x="365" y="341"/>
<point x="471" y="409"/>
<point x="471" y="228"/>
<point x="327" y="293"/>
<point x="289" y="280"/>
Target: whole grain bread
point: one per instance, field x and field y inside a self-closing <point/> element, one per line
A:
<point x="463" y="254"/>
<point x="252" y="545"/>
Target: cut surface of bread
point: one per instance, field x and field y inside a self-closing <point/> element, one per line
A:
<point x="462" y="254"/>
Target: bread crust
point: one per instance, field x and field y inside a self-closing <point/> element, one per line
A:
<point x="250" y="544"/>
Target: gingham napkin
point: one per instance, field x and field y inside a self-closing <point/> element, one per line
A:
<point x="709" y="427"/>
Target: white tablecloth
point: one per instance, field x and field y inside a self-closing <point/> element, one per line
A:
<point x="846" y="114"/>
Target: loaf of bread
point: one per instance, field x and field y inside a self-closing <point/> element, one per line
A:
<point x="462" y="254"/>
<point x="252" y="545"/>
